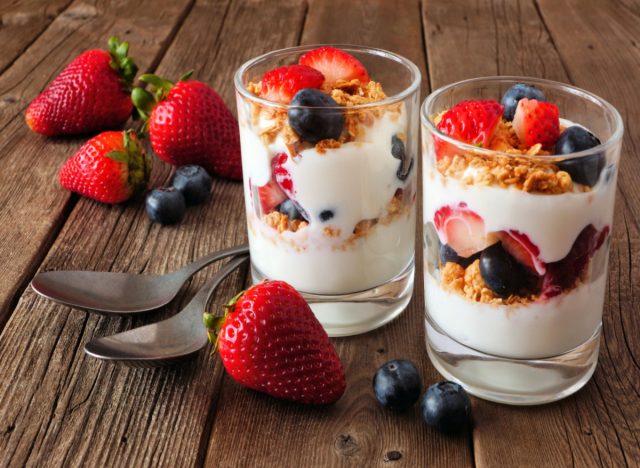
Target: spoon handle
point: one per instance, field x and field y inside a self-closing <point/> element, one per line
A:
<point x="203" y="296"/>
<point x="192" y="268"/>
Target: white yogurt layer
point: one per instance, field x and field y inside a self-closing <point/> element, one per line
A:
<point x="552" y="222"/>
<point x="355" y="182"/>
<point x="537" y="330"/>
<point x="312" y="265"/>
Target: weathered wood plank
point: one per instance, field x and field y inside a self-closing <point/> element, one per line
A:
<point x="22" y="22"/>
<point x="69" y="409"/>
<point x="32" y="206"/>
<point x="593" y="427"/>
<point x="254" y="430"/>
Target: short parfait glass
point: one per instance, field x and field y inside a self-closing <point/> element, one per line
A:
<point x="335" y="218"/>
<point x="516" y="247"/>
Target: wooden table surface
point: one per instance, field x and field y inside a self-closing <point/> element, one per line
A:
<point x="59" y="407"/>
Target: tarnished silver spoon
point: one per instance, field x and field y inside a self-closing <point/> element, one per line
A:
<point x="161" y="343"/>
<point x="120" y="293"/>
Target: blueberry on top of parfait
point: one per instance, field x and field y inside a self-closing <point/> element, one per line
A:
<point x="513" y="95"/>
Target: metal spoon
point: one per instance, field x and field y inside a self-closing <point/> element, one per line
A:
<point x="161" y="343"/>
<point x="120" y="293"/>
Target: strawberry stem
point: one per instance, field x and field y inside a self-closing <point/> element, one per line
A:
<point x="213" y="323"/>
<point x="121" y="62"/>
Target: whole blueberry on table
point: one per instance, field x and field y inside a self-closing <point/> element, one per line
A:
<point x="314" y="119"/>
<point x="446" y="407"/>
<point x="499" y="270"/>
<point x="586" y="169"/>
<point x="397" y="384"/>
<point x="513" y="95"/>
<point x="194" y="182"/>
<point x="166" y="205"/>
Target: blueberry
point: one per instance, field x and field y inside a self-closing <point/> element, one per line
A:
<point x="397" y="384"/>
<point x="313" y="124"/>
<point x="194" y="182"/>
<point x="398" y="152"/>
<point x="326" y="215"/>
<point x="293" y="210"/>
<point x="515" y="93"/>
<point x="499" y="270"/>
<point x="166" y="205"/>
<point x="447" y="254"/>
<point x="446" y="407"/>
<point x="586" y="169"/>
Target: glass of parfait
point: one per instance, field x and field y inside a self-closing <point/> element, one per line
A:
<point x="519" y="183"/>
<point x="329" y="139"/>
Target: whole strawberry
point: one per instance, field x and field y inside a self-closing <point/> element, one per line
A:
<point x="110" y="168"/>
<point x="270" y="341"/>
<point x="91" y="94"/>
<point x="188" y="123"/>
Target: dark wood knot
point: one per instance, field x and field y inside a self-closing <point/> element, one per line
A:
<point x="346" y="445"/>
<point x="393" y="455"/>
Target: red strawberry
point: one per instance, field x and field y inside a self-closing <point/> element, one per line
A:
<point x="270" y="341"/>
<point x="335" y="64"/>
<point x="281" y="174"/>
<point x="462" y="229"/>
<point x="537" y="122"/>
<point x="281" y="84"/>
<point x="89" y="95"/>
<point x="188" y="123"/>
<point x="109" y="168"/>
<point x="472" y="122"/>
<point x="523" y="250"/>
<point x="271" y="195"/>
<point x="564" y="273"/>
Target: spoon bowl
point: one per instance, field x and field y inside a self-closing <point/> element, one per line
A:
<point x="121" y="293"/>
<point x="164" y="342"/>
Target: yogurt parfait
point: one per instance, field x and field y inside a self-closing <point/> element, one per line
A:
<point x="519" y="179"/>
<point x="328" y="156"/>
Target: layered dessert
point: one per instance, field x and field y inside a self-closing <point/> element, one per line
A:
<point x="515" y="235"/>
<point x="329" y="175"/>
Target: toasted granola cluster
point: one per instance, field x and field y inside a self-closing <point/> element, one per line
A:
<point x="345" y="93"/>
<point x="468" y="283"/>
<point x="399" y="205"/>
<point x="526" y="173"/>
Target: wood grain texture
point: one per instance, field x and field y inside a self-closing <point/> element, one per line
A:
<point x="32" y="206"/>
<point x="21" y="22"/>
<point x="251" y="429"/>
<point x="63" y="408"/>
<point x="599" y="425"/>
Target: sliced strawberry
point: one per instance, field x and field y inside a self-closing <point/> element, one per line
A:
<point x="564" y="273"/>
<point x="335" y="64"/>
<point x="537" y="122"/>
<point x="472" y="122"/>
<point x="271" y="195"/>
<point x="462" y="229"/>
<point x="281" y="84"/>
<point x="523" y="250"/>
<point x="281" y="174"/>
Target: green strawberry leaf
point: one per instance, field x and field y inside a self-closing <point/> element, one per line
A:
<point x="186" y="76"/>
<point x="159" y="83"/>
<point x="120" y="156"/>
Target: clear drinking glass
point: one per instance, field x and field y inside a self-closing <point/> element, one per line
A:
<point x="350" y="248"/>
<point x="552" y="213"/>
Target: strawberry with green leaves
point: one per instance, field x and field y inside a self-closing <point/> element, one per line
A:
<point x="91" y="94"/>
<point x="109" y="168"/>
<point x="188" y="123"/>
<point x="270" y="341"/>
